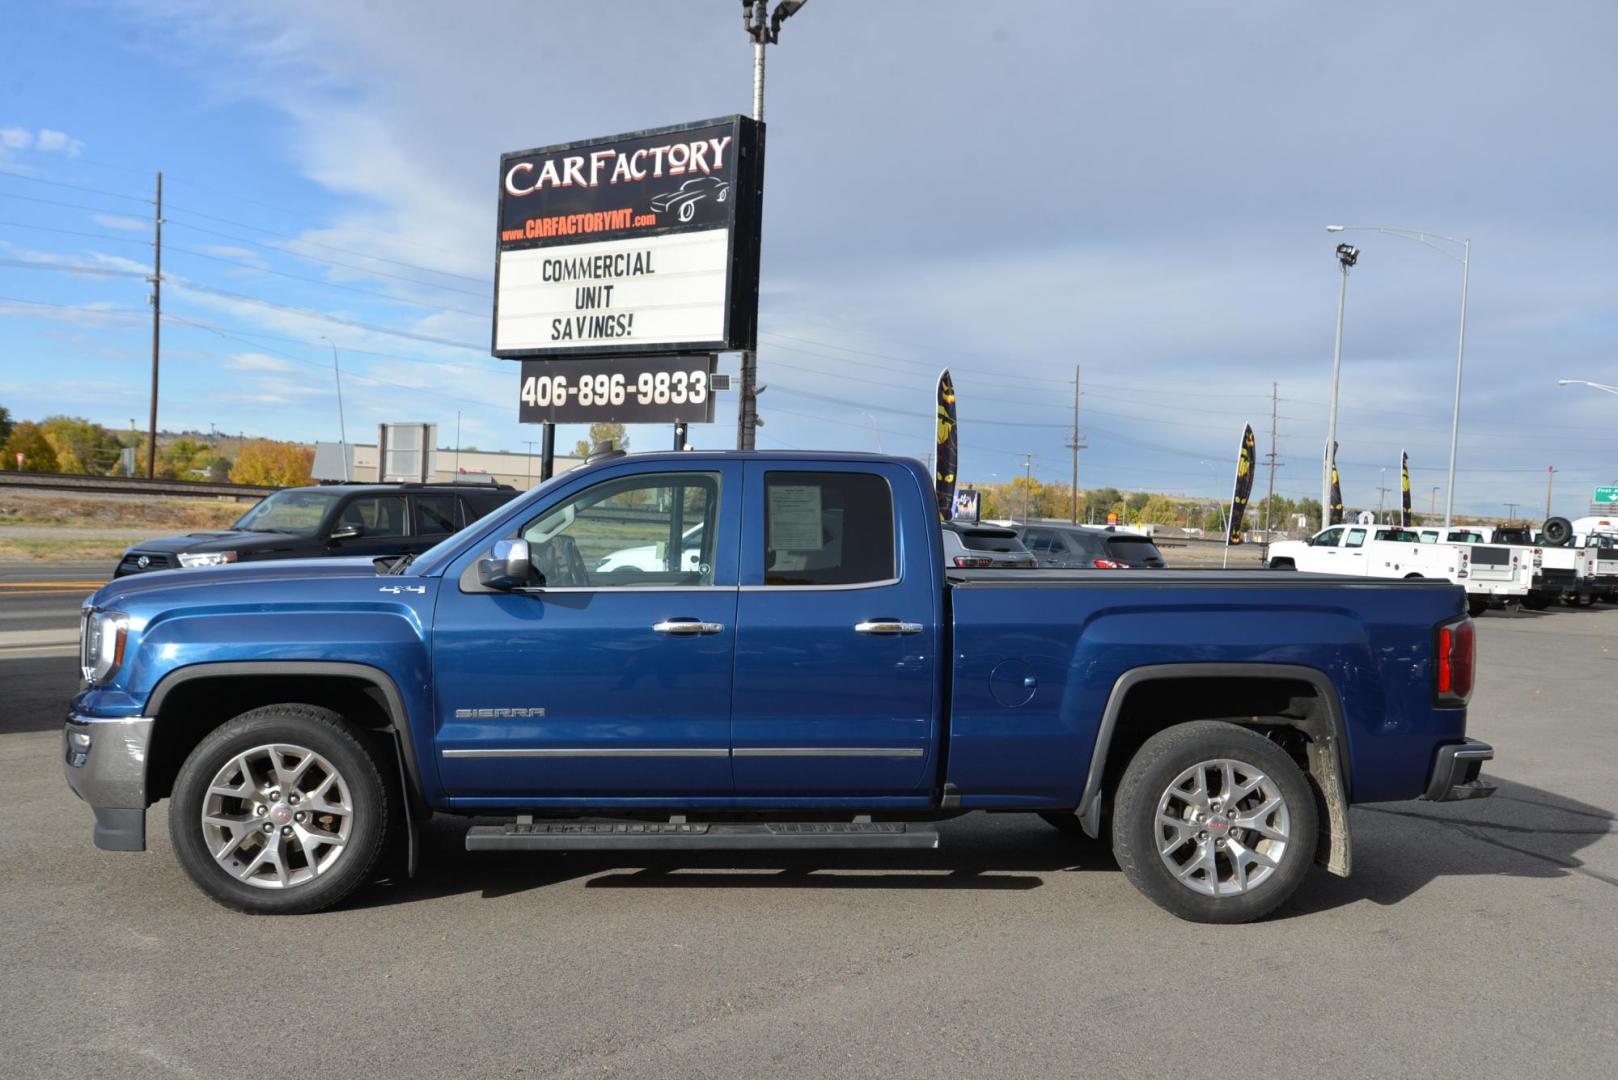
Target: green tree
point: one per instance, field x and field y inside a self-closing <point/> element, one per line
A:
<point x="600" y="433"/>
<point x="176" y="460"/>
<point x="28" y="440"/>
<point x="5" y="423"/>
<point x="1159" y="510"/>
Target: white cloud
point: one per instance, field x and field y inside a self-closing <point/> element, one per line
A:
<point x="257" y="362"/>
<point x="45" y="141"/>
<point x="118" y="221"/>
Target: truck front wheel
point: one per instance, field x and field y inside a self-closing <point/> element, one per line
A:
<point x="281" y="811"/>
<point x="1214" y="823"/>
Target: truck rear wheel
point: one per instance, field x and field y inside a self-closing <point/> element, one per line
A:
<point x="281" y="811"/>
<point x="1214" y="823"/>
<point x="1476" y="606"/>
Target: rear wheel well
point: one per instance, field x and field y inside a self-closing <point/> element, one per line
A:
<point x="197" y="706"/>
<point x="1290" y="712"/>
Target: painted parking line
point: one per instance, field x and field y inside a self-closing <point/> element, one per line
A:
<point x="48" y="585"/>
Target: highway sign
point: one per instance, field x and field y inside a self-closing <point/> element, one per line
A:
<point x="1606" y="495"/>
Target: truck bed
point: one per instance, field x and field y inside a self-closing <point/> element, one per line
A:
<point x="1215" y="578"/>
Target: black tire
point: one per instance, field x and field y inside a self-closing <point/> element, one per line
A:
<point x="1536" y="603"/>
<point x="1558" y="531"/>
<point x="1283" y="564"/>
<point x="1476" y="606"/>
<point x="1135" y="831"/>
<point x="360" y="768"/>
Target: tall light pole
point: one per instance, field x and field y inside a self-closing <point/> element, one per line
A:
<point x="342" y="428"/>
<point x="1347" y="256"/>
<point x="764" y="28"/>
<point x="1587" y="382"/>
<point x="1028" y="483"/>
<point x="877" y="425"/>
<point x="1465" y="259"/>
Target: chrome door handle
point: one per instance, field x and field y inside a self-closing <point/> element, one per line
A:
<point x="887" y="626"/>
<point x="687" y="627"/>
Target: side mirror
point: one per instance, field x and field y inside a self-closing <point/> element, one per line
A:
<point x="507" y="566"/>
<point x="346" y="532"/>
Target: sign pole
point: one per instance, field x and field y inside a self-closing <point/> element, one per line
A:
<point x="679" y="435"/>
<point x="547" y="453"/>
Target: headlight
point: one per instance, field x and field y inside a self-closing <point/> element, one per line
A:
<point x="101" y="643"/>
<point x="207" y="558"/>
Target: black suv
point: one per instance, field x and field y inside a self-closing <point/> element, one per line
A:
<point x="1088" y="547"/>
<point x="331" y="519"/>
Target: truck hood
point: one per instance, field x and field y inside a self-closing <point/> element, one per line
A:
<point x="245" y="544"/>
<point x="273" y="579"/>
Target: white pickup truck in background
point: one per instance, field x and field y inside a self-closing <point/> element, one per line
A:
<point x="1599" y="536"/>
<point x="1387" y="551"/>
<point x="1501" y="554"/>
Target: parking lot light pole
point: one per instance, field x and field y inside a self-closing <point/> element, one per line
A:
<point x="1347" y="256"/>
<point x="342" y="428"/>
<point x="1465" y="258"/>
<point x="1587" y="382"/>
<point x="763" y="26"/>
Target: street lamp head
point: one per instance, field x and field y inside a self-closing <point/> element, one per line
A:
<point x="1347" y="254"/>
<point x="1566" y="382"/>
<point x="1334" y="228"/>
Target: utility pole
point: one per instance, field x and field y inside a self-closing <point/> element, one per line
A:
<point x="1273" y="456"/>
<point x="1076" y="444"/>
<point x="1432" y="507"/>
<point x="1382" y="497"/>
<point x="1550" y="474"/>
<point x="157" y="316"/>
<point x="764" y="28"/>
<point x="1511" y="511"/>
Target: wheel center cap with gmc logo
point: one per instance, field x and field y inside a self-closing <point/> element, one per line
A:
<point x="281" y="813"/>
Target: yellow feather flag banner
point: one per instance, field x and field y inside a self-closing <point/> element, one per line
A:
<point x="1246" y="466"/>
<point x="1404" y="489"/>
<point x="948" y="448"/>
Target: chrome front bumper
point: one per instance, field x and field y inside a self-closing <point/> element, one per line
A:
<point x="105" y="762"/>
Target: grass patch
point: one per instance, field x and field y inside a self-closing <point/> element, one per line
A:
<point x="63" y="550"/>
<point x="137" y="513"/>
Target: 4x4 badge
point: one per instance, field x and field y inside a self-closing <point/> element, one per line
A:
<point x="397" y="589"/>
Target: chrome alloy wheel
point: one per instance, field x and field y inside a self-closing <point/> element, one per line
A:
<point x="277" y="816"/>
<point x="1222" y="827"/>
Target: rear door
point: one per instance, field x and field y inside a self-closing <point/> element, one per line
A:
<point x="1354" y="560"/>
<point x="837" y="644"/>
<point x="383" y="522"/>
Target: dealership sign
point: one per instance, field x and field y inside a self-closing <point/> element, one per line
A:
<point x="617" y="389"/>
<point x="639" y="244"/>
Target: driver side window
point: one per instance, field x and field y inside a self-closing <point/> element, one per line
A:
<point x="654" y="530"/>
<point x="1329" y="538"/>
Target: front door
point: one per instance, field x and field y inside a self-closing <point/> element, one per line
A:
<point x="837" y="648"/>
<point x="612" y="677"/>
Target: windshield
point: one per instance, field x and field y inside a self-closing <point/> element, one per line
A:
<point x="298" y="512"/>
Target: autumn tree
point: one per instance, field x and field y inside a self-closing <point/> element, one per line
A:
<point x="5" y="424"/>
<point x="81" y="447"/>
<point x="269" y="463"/>
<point x="600" y="433"/>
<point x="28" y="440"/>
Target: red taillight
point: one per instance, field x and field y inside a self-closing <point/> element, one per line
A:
<point x="973" y="562"/>
<point x="1456" y="662"/>
<point x="1108" y="564"/>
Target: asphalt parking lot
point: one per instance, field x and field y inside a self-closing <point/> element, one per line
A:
<point x="1474" y="939"/>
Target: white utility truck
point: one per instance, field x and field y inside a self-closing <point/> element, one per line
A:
<point x="1489" y="575"/>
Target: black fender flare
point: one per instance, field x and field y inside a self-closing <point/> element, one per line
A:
<point x="1328" y="748"/>
<point x="393" y="701"/>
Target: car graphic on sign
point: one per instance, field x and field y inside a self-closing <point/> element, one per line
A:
<point x="682" y="201"/>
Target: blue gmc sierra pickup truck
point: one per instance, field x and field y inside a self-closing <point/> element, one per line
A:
<point x="757" y="650"/>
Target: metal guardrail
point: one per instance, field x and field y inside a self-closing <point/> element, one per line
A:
<point x="129" y="485"/>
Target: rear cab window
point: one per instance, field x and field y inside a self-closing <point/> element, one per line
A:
<point x="828" y="529"/>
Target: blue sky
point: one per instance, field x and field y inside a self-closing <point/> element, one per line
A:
<point x="1006" y="190"/>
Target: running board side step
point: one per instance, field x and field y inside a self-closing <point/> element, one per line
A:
<point x="699" y="836"/>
